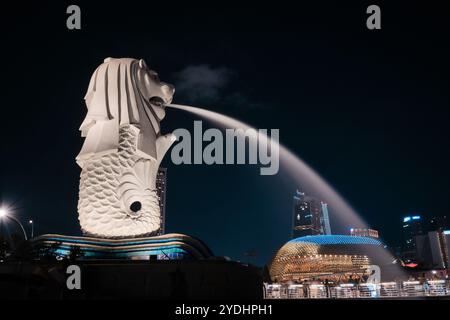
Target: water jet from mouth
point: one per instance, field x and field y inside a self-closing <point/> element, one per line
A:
<point x="298" y="170"/>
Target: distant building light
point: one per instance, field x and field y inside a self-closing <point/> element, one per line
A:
<point x="406" y="219"/>
<point x="446" y="231"/>
<point x="416" y="217"/>
<point x="411" y="265"/>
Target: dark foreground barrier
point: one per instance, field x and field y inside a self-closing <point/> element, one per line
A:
<point x="130" y="279"/>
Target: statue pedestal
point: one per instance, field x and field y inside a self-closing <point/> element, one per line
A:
<point x="171" y="266"/>
<point x="172" y="246"/>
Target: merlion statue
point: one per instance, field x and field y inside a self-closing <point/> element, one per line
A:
<point x="122" y="150"/>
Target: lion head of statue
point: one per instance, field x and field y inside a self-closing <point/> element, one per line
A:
<point x="123" y="92"/>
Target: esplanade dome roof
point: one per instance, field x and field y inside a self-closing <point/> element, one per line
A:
<point x="325" y="255"/>
<point x="338" y="240"/>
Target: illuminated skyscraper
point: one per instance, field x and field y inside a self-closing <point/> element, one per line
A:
<point x="161" y="181"/>
<point x="310" y="216"/>
<point x="412" y="227"/>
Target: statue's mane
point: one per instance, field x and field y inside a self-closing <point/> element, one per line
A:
<point x="114" y="93"/>
<point x="118" y="95"/>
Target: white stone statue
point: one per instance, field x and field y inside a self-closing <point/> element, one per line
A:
<point x="122" y="150"/>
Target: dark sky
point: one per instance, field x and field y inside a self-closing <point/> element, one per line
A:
<point x="369" y="110"/>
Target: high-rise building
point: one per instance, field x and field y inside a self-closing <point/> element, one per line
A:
<point x="310" y="216"/>
<point x="161" y="181"/>
<point x="412" y="227"/>
<point x="364" y="232"/>
<point x="433" y="249"/>
<point x="325" y="218"/>
<point x="444" y="240"/>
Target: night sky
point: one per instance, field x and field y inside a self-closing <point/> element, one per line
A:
<point x="369" y="110"/>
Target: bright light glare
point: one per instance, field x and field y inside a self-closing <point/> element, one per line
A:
<point x="3" y="212"/>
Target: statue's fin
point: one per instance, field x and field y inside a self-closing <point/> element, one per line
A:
<point x="163" y="144"/>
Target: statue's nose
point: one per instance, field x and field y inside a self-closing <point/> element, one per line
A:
<point x="168" y="89"/>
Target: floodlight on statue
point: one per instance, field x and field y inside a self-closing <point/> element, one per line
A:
<point x="123" y="149"/>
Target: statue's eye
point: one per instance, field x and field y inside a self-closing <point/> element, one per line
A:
<point x="155" y="76"/>
<point x="157" y="101"/>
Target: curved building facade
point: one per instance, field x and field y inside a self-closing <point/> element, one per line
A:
<point x="325" y="256"/>
<point x="171" y="246"/>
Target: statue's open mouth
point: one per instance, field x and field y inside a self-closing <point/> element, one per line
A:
<point x="157" y="101"/>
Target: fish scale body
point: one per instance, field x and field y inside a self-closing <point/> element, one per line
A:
<point x="102" y="211"/>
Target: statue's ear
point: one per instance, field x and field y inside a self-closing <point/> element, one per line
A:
<point x="142" y="64"/>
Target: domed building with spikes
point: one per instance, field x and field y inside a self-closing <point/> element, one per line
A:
<point x="332" y="257"/>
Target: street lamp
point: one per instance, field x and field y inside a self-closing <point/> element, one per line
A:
<point x="4" y="214"/>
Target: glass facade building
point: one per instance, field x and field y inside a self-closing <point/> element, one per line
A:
<point x="412" y="227"/>
<point x="310" y="216"/>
